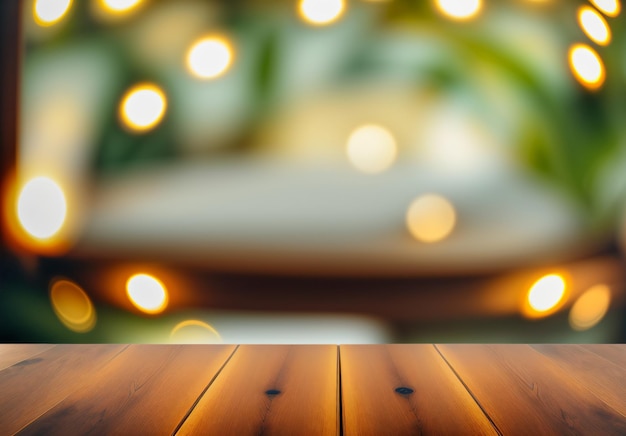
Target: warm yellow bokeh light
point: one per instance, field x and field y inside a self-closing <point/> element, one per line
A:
<point x="48" y="12"/>
<point x="41" y="207"/>
<point x="118" y="6"/>
<point x="143" y="107"/>
<point x="321" y="12"/>
<point x="459" y="9"/>
<point x="371" y="148"/>
<point x="194" y="332"/>
<point x="611" y="8"/>
<point x="590" y="308"/>
<point x="72" y="306"/>
<point x="210" y="57"/>
<point x="587" y="66"/>
<point x="594" y="25"/>
<point x="147" y="293"/>
<point x="546" y="294"/>
<point x="430" y="218"/>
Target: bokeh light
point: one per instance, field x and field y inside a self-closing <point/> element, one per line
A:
<point x="147" y="293"/>
<point x="210" y="57"/>
<point x="459" y="9"/>
<point x="594" y="25"/>
<point x="430" y="218"/>
<point x="119" y="6"/>
<point x="587" y="66"/>
<point x="41" y="207"/>
<point x="546" y="294"/>
<point x="371" y="148"/>
<point x="590" y="307"/>
<point x="72" y="306"/>
<point x="193" y="331"/>
<point x="143" y="107"/>
<point x="49" y="12"/>
<point x="321" y="12"/>
<point x="611" y="8"/>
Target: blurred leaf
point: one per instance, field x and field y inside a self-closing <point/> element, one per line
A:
<point x="266" y="68"/>
<point x="533" y="150"/>
<point x="118" y="148"/>
<point x="562" y="154"/>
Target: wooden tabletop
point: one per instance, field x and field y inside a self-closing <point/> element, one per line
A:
<point x="313" y="389"/>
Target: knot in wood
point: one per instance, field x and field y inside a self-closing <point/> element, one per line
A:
<point x="404" y="390"/>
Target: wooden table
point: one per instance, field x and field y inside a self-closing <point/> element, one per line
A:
<point x="313" y="389"/>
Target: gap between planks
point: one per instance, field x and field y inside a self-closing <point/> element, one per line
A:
<point x="195" y="403"/>
<point x="339" y="394"/>
<point x="468" y="390"/>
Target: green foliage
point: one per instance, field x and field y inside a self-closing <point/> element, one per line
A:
<point x="568" y="140"/>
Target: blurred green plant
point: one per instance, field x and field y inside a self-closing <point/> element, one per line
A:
<point x="569" y="138"/>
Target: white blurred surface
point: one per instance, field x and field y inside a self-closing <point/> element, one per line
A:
<point x="276" y="218"/>
<point x="254" y="328"/>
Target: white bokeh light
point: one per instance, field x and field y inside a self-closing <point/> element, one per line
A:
<point x="48" y="12"/>
<point x="321" y="12"/>
<point x="41" y="207"/>
<point x="143" y="107"/>
<point x="210" y="57"/>
<point x="147" y="293"/>
<point x="587" y="66"/>
<point x="371" y="148"/>
<point x="459" y="9"/>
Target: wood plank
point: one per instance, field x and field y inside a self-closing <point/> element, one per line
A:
<point x="604" y="378"/>
<point x="525" y="392"/>
<point x="278" y="390"/>
<point x="148" y="389"/>
<point x="616" y="353"/>
<point x="377" y="381"/>
<point x="33" y="386"/>
<point x="11" y="354"/>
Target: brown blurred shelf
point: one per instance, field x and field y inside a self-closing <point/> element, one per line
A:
<point x="313" y="389"/>
<point x="401" y="301"/>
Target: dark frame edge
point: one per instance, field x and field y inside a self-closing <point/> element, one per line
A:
<point x="10" y="67"/>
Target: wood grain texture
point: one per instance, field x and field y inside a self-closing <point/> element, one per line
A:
<point x="525" y="392"/>
<point x="277" y="390"/>
<point x="11" y="354"/>
<point x="439" y="404"/>
<point x="295" y="390"/>
<point x="613" y="352"/>
<point x="607" y="380"/>
<point x="33" y="386"/>
<point x="147" y="389"/>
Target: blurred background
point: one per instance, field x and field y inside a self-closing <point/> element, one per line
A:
<point x="315" y="171"/>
